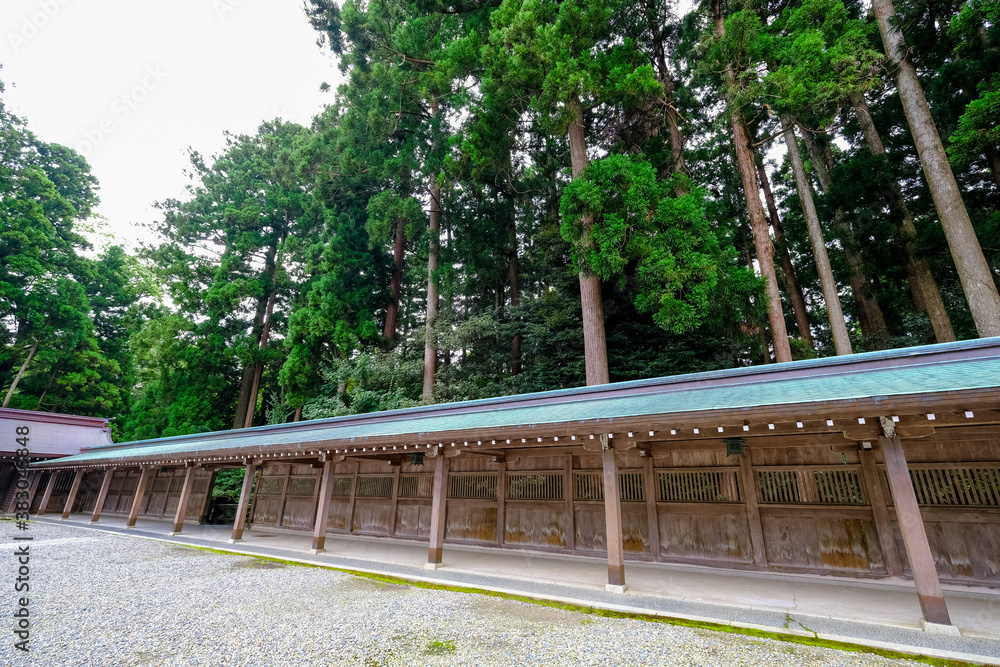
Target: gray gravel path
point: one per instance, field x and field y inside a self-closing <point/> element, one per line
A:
<point x="104" y="599"/>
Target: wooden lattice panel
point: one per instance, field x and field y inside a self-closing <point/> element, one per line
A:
<point x="698" y="486"/>
<point x="472" y="485"/>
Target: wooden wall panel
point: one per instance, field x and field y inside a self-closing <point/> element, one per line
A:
<point x="339" y="509"/>
<point x="300" y="512"/>
<point x="413" y="519"/>
<point x="719" y="535"/>
<point x="964" y="551"/>
<point x="371" y="516"/>
<point x="927" y="450"/>
<point x="198" y="492"/>
<point x="590" y="526"/>
<point x="822" y="543"/>
<point x="471" y="521"/>
<point x="538" y="523"/>
<point x="267" y="510"/>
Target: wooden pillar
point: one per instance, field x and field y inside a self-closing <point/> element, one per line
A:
<point x="918" y="550"/>
<point x="206" y="504"/>
<point x="48" y="492"/>
<point x="323" y="509"/>
<point x="140" y="491"/>
<point x="354" y="497"/>
<point x="36" y="477"/>
<point x="501" y="503"/>
<point x="880" y="512"/>
<point x="439" y="509"/>
<point x="652" y="518"/>
<point x="73" y="490"/>
<point x="102" y="495"/>
<point x="568" y="494"/>
<point x="749" y="483"/>
<point x="182" y="502"/>
<point x="397" y="470"/>
<point x="244" y="505"/>
<point x="284" y="494"/>
<point x="613" y="520"/>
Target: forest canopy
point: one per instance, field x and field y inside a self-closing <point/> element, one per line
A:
<point x="523" y="195"/>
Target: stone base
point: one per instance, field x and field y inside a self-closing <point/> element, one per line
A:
<point x="174" y="534"/>
<point x="940" y="629"/>
<point x="317" y="551"/>
<point x="611" y="588"/>
<point x="129" y="527"/>
<point x="433" y="566"/>
<point x="235" y="540"/>
<point x="94" y="523"/>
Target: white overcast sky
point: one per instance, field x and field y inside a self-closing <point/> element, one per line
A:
<point x="133" y="83"/>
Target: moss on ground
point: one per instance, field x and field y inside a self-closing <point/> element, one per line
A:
<point x="607" y="613"/>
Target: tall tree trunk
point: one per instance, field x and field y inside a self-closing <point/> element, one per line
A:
<point x="926" y="295"/>
<point x="870" y="316"/>
<point x="396" y="284"/>
<point x="758" y="220"/>
<point x="264" y="337"/>
<point x="513" y="281"/>
<point x="977" y="281"/>
<point x="787" y="268"/>
<point x="434" y="226"/>
<point x="666" y="80"/>
<point x="250" y="371"/>
<point x="20" y="374"/>
<point x="592" y="304"/>
<point x="841" y="340"/>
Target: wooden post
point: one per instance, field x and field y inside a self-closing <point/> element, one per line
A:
<point x="569" y="497"/>
<point x="323" y="509"/>
<point x="182" y="502"/>
<point x="284" y="494"/>
<point x="244" y="505"/>
<point x="880" y="512"/>
<point x="353" y="498"/>
<point x="911" y="525"/>
<point x="652" y="518"/>
<point x="439" y="509"/>
<point x="36" y="477"/>
<point x="749" y="484"/>
<point x="397" y="470"/>
<point x="501" y="501"/>
<point x="206" y="504"/>
<point x="73" y="490"/>
<point x="140" y="491"/>
<point x="613" y="520"/>
<point x="48" y="492"/>
<point x="102" y="495"/>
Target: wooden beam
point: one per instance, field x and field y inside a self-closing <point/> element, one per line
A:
<point x="102" y="495"/>
<point x="71" y="498"/>
<point x="354" y="497"/>
<point x="140" y="491"/>
<point x="49" y="487"/>
<point x="206" y="503"/>
<point x="649" y="479"/>
<point x="182" y="502"/>
<point x="501" y="503"/>
<point x="439" y="511"/>
<point x="568" y="494"/>
<point x="880" y="512"/>
<point x="244" y="505"/>
<point x="911" y="524"/>
<point x="748" y="482"/>
<point x="613" y="522"/>
<point x="323" y="509"/>
<point x="396" y="471"/>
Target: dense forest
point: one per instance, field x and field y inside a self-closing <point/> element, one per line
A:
<point x="517" y="196"/>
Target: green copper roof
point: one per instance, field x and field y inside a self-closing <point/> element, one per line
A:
<point x="883" y="375"/>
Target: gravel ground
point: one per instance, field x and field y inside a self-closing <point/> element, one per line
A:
<point x="103" y="599"/>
